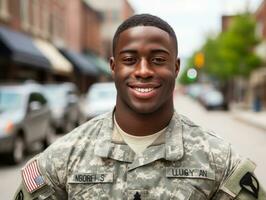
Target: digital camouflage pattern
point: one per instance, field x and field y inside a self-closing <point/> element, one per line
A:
<point x="187" y="162"/>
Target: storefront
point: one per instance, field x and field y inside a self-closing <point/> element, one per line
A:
<point x="20" y="59"/>
<point x="62" y="69"/>
<point x="258" y="89"/>
<point x="85" y="72"/>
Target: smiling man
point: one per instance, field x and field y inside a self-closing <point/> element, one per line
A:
<point x="143" y="149"/>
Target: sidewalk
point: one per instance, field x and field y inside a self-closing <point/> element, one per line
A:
<point x="257" y="119"/>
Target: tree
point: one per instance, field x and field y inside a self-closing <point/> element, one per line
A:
<point x="231" y="53"/>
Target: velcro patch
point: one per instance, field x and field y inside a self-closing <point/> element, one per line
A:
<point x="250" y="184"/>
<point x="32" y="177"/>
<point x="232" y="184"/>
<point x="183" y="172"/>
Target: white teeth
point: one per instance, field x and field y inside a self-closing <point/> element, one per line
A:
<point x="144" y="90"/>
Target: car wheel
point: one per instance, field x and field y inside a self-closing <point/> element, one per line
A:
<point x="49" y="137"/>
<point x="18" y="153"/>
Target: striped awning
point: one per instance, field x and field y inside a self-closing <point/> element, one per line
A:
<point x="60" y="65"/>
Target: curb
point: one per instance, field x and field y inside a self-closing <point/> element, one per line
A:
<point x="251" y="119"/>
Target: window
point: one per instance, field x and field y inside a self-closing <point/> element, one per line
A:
<point x="4" y="12"/>
<point x="24" y="13"/>
<point x="36" y="16"/>
<point x="37" y="97"/>
<point x="45" y="20"/>
<point x="259" y="29"/>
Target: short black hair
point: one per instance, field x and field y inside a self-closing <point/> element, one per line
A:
<point x="144" y="20"/>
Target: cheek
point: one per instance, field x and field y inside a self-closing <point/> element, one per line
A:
<point x="166" y="73"/>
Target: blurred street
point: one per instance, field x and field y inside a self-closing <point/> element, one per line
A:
<point x="247" y="140"/>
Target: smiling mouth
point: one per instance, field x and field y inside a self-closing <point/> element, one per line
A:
<point x="143" y="90"/>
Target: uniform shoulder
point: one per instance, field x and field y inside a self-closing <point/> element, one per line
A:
<point x="80" y="137"/>
<point x="191" y="127"/>
<point x="85" y="131"/>
<point x="209" y="143"/>
<point x="57" y="159"/>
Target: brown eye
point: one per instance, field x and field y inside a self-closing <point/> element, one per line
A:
<point x="129" y="60"/>
<point x="158" y="60"/>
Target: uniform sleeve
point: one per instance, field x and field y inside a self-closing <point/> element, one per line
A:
<point x="44" y="193"/>
<point x="239" y="181"/>
<point x="38" y="182"/>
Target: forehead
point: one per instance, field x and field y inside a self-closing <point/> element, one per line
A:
<point x="144" y="36"/>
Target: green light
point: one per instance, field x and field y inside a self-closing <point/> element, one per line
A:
<point x="192" y="73"/>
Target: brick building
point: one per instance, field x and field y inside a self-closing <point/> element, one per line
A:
<point x="227" y="21"/>
<point x="113" y="13"/>
<point x="22" y="21"/>
<point x="42" y="27"/>
<point x="258" y="77"/>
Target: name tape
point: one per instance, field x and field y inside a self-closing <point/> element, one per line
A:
<point x="182" y="172"/>
<point x="92" y="178"/>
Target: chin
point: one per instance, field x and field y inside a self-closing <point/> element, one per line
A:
<point x="144" y="109"/>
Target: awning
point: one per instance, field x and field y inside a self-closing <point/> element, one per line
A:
<point x="80" y="62"/>
<point x="59" y="63"/>
<point x="19" y="48"/>
<point x="99" y="62"/>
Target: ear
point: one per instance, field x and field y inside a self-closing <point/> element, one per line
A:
<point x="177" y="66"/>
<point x="112" y="65"/>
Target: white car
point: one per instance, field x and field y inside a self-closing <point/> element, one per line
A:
<point x="101" y="98"/>
<point x="213" y="99"/>
<point x="25" y="118"/>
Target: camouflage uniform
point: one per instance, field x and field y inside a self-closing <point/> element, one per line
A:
<point x="184" y="163"/>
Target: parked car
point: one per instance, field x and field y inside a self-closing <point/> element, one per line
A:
<point x="101" y="98"/>
<point x="194" y="90"/>
<point x="213" y="99"/>
<point x="25" y="118"/>
<point x="64" y="101"/>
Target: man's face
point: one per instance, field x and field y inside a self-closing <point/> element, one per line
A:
<point x="144" y="69"/>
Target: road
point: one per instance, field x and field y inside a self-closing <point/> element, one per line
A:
<point x="247" y="140"/>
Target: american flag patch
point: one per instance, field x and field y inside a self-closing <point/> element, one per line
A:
<point x="32" y="177"/>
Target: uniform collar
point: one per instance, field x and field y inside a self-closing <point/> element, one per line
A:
<point x="171" y="149"/>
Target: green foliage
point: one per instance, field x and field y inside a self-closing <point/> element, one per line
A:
<point x="183" y="77"/>
<point x="231" y="53"/>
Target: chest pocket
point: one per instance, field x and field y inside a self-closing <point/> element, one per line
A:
<point x="190" y="182"/>
<point x="187" y="192"/>
<point x="92" y="185"/>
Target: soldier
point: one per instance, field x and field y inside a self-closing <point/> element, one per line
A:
<point x="143" y="149"/>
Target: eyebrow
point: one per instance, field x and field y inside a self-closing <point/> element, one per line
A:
<point x="133" y="51"/>
<point x="128" y="51"/>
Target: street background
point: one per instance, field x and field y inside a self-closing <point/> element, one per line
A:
<point x="54" y="71"/>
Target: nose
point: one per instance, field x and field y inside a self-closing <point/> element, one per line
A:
<point x="143" y="70"/>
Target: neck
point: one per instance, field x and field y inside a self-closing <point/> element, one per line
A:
<point x="140" y="124"/>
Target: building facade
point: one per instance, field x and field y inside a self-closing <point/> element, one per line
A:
<point x="113" y="13"/>
<point x="258" y="78"/>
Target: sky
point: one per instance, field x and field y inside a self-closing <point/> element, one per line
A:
<point x="193" y="20"/>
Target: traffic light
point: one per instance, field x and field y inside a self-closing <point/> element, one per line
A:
<point x="199" y="60"/>
<point x="192" y="74"/>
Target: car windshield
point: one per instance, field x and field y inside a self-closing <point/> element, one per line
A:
<point x="102" y="93"/>
<point x="10" y="100"/>
<point x="55" y="95"/>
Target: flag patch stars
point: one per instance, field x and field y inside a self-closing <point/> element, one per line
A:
<point x="32" y="177"/>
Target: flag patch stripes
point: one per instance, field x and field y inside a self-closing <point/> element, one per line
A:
<point x="32" y="177"/>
